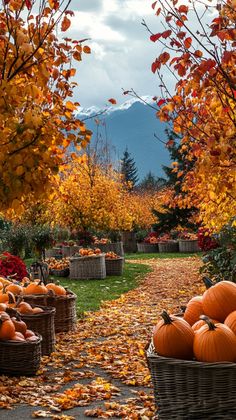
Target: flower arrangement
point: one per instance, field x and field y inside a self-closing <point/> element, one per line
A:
<point x="151" y="238"/>
<point x="165" y="237"/>
<point x="205" y="240"/>
<point x="103" y="241"/>
<point x="10" y="265"/>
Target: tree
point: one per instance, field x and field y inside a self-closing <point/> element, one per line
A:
<point x="37" y="120"/>
<point x="172" y="215"/>
<point x="151" y="182"/>
<point x="128" y="169"/>
<point x="202" y="107"/>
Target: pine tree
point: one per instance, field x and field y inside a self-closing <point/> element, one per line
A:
<point x="128" y="168"/>
<point x="175" y="216"/>
<point x="151" y="182"/>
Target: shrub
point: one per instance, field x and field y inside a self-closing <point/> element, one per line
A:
<point x="206" y="241"/>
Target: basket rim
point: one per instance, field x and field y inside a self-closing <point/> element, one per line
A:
<point x="152" y="355"/>
<point x="69" y="295"/>
<point x="20" y="343"/>
<point x="114" y="259"/>
<point x="46" y="311"/>
<point x="85" y="257"/>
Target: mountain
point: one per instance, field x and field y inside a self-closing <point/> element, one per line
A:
<point x="132" y="125"/>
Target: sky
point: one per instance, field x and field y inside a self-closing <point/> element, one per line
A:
<point x="121" y="51"/>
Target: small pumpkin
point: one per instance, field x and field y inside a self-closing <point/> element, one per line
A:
<point x="230" y="321"/>
<point x="173" y="337"/>
<point x="15" y="288"/>
<point x="37" y="310"/>
<point x="214" y="343"/>
<point x="36" y="288"/>
<point x="219" y="300"/>
<point x="193" y="310"/>
<point x="56" y="288"/>
<point x="7" y="328"/>
<point x="20" y="326"/>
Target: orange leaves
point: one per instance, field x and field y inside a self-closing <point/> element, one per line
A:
<point x="65" y="24"/>
<point x="112" y="101"/>
<point x="188" y="42"/>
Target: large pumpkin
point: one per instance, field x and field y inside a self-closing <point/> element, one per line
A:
<point x="231" y="321"/>
<point x="36" y="288"/>
<point x="193" y="310"/>
<point x="219" y="300"/>
<point x="173" y="337"/>
<point x="214" y="343"/>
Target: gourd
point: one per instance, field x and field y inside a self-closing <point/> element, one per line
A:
<point x="193" y="310"/>
<point x="230" y="321"/>
<point x="56" y="288"/>
<point x="36" y="288"/>
<point x="219" y="300"/>
<point x="214" y="343"/>
<point x="7" y="328"/>
<point x="173" y="337"/>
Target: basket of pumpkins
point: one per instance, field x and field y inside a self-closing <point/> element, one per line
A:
<point x="114" y="264"/>
<point x="58" y="268"/>
<point x="20" y="347"/>
<point x="192" y="358"/>
<point x="88" y="264"/>
<point x="52" y="295"/>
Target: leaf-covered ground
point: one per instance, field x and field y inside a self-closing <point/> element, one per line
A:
<point x="100" y="369"/>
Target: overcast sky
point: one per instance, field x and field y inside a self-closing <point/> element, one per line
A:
<point x="121" y="51"/>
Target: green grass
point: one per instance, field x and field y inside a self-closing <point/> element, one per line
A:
<point x="91" y="293"/>
<point x="143" y="256"/>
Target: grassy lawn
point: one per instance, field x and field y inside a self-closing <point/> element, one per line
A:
<point x="92" y="292"/>
<point x="156" y="255"/>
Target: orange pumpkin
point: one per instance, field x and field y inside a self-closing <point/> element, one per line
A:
<point x="7" y="297"/>
<point x="200" y="324"/>
<point x="36" y="288"/>
<point x="173" y="337"/>
<point x="7" y="328"/>
<point x="56" y="288"/>
<point x="231" y="321"/>
<point x="219" y="300"/>
<point x="193" y="310"/>
<point x="29" y="334"/>
<point x="37" y="310"/>
<point x="15" y="288"/>
<point x="214" y="343"/>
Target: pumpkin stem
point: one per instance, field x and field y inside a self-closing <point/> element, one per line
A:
<point x="19" y="300"/>
<point x="166" y="317"/>
<point x="208" y="283"/>
<point x="209" y="322"/>
<point x="11" y="298"/>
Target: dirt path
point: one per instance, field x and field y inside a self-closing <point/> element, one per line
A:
<point x="100" y="369"/>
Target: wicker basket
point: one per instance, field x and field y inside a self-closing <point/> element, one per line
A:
<point x="147" y="248"/>
<point x="55" y="252"/>
<point x="65" y="318"/>
<point x="89" y="267"/>
<point x="20" y="358"/>
<point x="187" y="390"/>
<point x="188" y="245"/>
<point x="114" y="267"/>
<point x="60" y="273"/>
<point x="170" y="246"/>
<point x="43" y="324"/>
<point x="116" y="247"/>
<point x="65" y="251"/>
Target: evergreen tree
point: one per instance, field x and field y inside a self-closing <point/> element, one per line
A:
<point x="151" y="182"/>
<point x="175" y="216"/>
<point x="128" y="168"/>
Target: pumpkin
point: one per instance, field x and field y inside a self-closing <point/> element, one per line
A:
<point x="36" y="288"/>
<point x="219" y="300"/>
<point x="200" y="324"/>
<point x="56" y="288"/>
<point x="18" y="336"/>
<point x="7" y="297"/>
<point x="173" y="337"/>
<point x="7" y="328"/>
<point x="29" y="334"/>
<point x="15" y="288"/>
<point x="231" y="321"/>
<point x="37" y="310"/>
<point x="193" y="310"/>
<point x="4" y="281"/>
<point x="214" y="343"/>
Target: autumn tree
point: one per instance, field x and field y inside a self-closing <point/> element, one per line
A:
<point x="37" y="120"/>
<point x="202" y="106"/>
